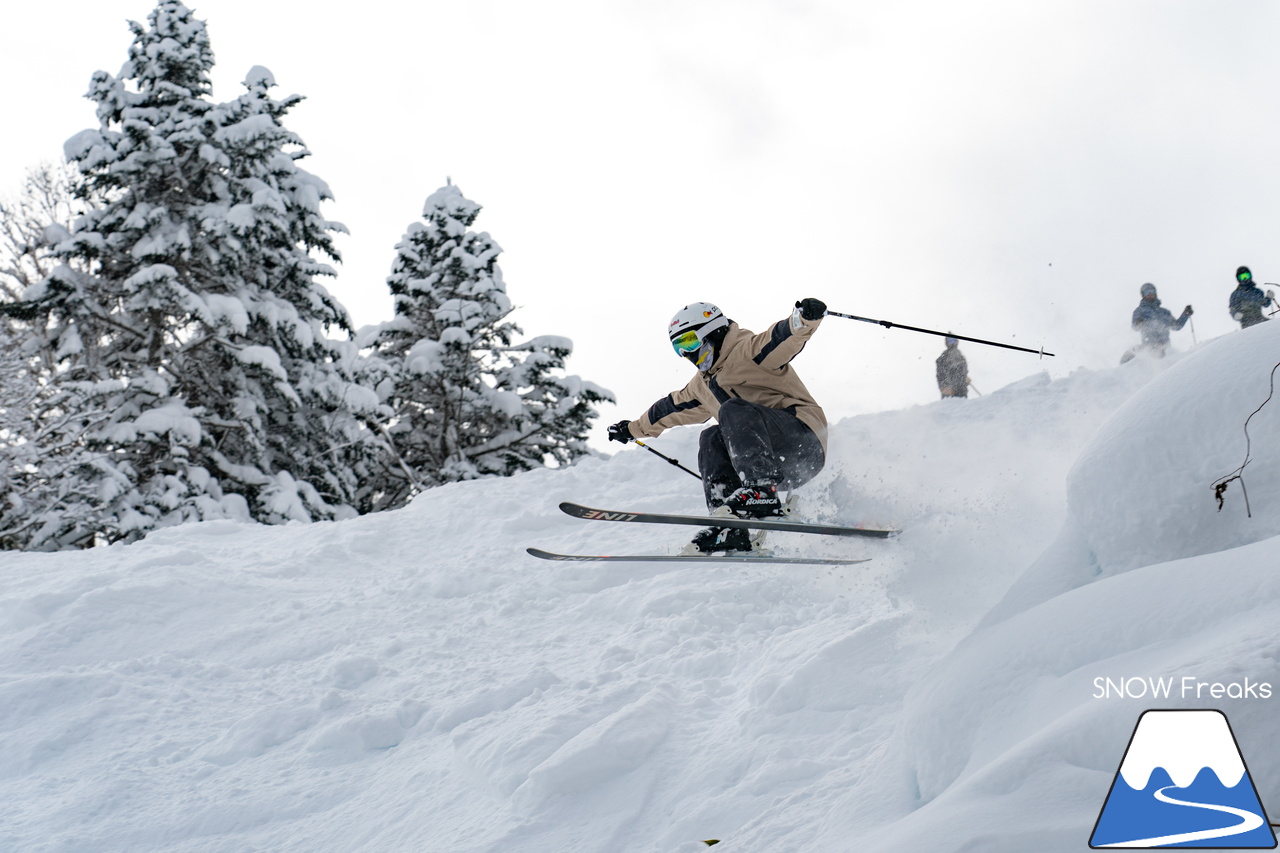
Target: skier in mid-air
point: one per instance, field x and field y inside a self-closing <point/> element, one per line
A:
<point x="1154" y="323"/>
<point x="1248" y="300"/>
<point x="771" y="433"/>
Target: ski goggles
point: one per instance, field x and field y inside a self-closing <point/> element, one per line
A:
<point x="1244" y="276"/>
<point x="686" y="342"/>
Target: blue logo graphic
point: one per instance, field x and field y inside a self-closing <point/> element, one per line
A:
<point x="1182" y="783"/>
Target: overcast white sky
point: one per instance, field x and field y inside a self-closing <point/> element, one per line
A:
<point x="1007" y="170"/>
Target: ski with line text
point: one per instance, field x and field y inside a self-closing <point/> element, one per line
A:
<point x="780" y="525"/>
<point x="726" y="557"/>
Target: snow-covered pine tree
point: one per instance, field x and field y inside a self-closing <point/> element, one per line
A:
<point x="556" y="411"/>
<point x="40" y="421"/>
<point x="119" y="307"/>
<point x="304" y="398"/>
<point x="187" y="308"/>
<point x="468" y="401"/>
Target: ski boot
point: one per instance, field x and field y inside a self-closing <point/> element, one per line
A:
<point x="727" y="539"/>
<point x="757" y="499"/>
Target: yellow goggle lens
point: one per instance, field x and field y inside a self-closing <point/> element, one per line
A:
<point x="686" y="342"/>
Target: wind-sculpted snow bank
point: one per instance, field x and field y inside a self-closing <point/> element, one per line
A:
<point x="1143" y="491"/>
<point x="1149" y="597"/>
<point x="1010" y="742"/>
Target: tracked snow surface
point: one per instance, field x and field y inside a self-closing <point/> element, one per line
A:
<point x="413" y="681"/>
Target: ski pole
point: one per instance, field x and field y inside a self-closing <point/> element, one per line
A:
<point x="1193" y="332"/>
<point x="889" y="325"/>
<point x="675" y="462"/>
<point x="975" y="388"/>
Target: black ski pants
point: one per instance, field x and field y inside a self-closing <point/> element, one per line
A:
<point x="754" y="443"/>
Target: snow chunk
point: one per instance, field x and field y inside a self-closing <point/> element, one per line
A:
<point x="213" y="155"/>
<point x="54" y="234"/>
<point x="173" y="419"/>
<point x="242" y="218"/>
<point x="220" y="309"/>
<point x="249" y="129"/>
<point x="553" y="343"/>
<point x="449" y="201"/>
<point x="425" y="357"/>
<point x="259" y="76"/>
<point x="79" y="146"/>
<point x="266" y="358"/>
<point x="508" y="403"/>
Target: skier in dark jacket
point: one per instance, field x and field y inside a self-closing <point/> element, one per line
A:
<point x="771" y="433"/>
<point x="1154" y="323"/>
<point x="953" y="371"/>
<point x="1248" y="300"/>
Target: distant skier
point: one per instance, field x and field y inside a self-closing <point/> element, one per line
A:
<point x="1248" y="300"/>
<point x="771" y="434"/>
<point x="1154" y="323"/>
<point x="953" y="371"/>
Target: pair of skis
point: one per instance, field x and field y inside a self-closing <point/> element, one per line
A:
<point x="778" y="525"/>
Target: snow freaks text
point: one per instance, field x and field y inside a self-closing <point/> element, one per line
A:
<point x="1186" y="687"/>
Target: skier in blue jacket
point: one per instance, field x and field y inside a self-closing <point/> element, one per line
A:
<point x="1154" y="323"/>
<point x="1248" y="300"/>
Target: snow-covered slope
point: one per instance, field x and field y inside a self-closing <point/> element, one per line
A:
<point x="412" y="681"/>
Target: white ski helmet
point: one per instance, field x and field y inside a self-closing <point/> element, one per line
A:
<point x="689" y="329"/>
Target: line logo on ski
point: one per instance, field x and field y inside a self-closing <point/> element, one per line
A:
<point x="604" y="515"/>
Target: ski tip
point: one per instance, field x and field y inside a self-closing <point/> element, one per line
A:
<point x="549" y="555"/>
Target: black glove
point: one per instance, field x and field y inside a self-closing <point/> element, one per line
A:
<point x="812" y="309"/>
<point x="1187" y="311"/>
<point x="620" y="432"/>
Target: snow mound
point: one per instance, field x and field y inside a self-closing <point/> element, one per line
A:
<point x="1142" y="492"/>
<point x="1006" y="743"/>
<point x="1009" y="742"/>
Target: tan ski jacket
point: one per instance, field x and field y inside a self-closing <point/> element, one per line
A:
<point x="755" y="367"/>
